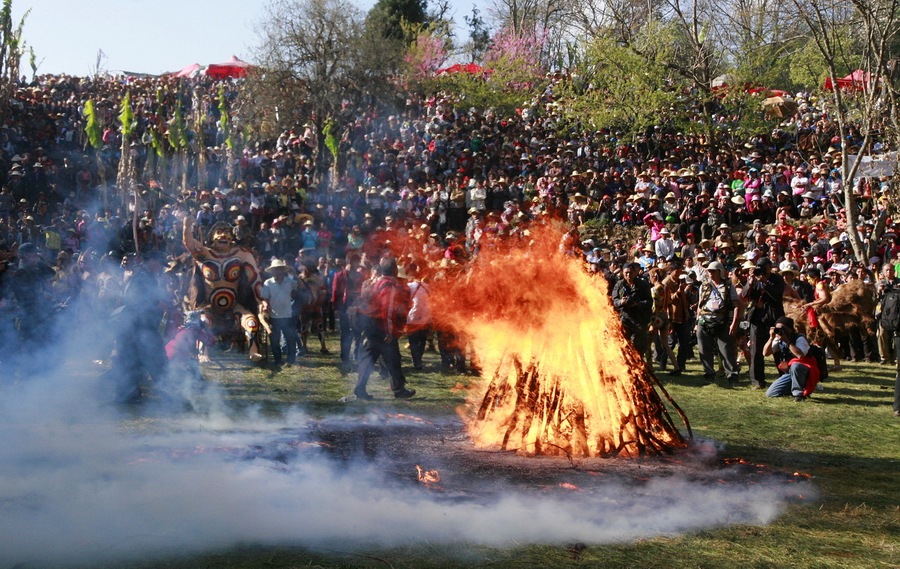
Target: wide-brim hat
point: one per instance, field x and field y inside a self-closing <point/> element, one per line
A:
<point x="277" y="264"/>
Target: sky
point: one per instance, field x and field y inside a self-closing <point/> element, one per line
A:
<point x="144" y="36"/>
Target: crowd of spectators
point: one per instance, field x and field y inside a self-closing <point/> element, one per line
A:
<point x="668" y="206"/>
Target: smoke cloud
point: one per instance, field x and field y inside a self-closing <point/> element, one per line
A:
<point x="83" y="480"/>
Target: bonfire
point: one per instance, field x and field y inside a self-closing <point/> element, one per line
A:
<point x="560" y="377"/>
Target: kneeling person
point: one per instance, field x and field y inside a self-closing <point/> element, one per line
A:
<point x="802" y="373"/>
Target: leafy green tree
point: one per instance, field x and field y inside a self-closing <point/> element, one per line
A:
<point x="513" y="73"/>
<point x="392" y="18"/>
<point x="617" y="88"/>
<point x="479" y="35"/>
<point x="12" y="48"/>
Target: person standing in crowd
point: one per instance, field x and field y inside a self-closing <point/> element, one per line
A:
<point x="345" y="291"/>
<point x="763" y="293"/>
<point x="633" y="300"/>
<point x="718" y="316"/>
<point x="140" y="350"/>
<point x="802" y="373"/>
<point x="383" y="310"/>
<point x="660" y="324"/>
<point x="888" y="282"/>
<point x="277" y="294"/>
<point x="418" y="323"/>
<point x="30" y="285"/>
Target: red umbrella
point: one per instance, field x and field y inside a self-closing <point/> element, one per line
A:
<point x="188" y="71"/>
<point x="460" y="68"/>
<point x="858" y="80"/>
<point x="234" y="67"/>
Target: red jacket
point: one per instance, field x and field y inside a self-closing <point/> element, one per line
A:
<point x="813" y="378"/>
<point x="387" y="301"/>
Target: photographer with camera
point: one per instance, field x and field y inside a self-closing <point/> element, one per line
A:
<point x="763" y="293"/>
<point x="633" y="300"/>
<point x="802" y="371"/>
<point x="717" y="323"/>
<point x="888" y="315"/>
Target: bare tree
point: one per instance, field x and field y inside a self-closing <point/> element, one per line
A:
<point x="318" y="62"/>
<point x="549" y="19"/>
<point x="828" y="22"/>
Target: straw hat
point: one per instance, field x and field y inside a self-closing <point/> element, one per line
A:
<point x="792" y="268"/>
<point x="277" y="264"/>
<point x="738" y="200"/>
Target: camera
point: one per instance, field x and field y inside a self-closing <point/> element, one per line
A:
<point x="759" y="271"/>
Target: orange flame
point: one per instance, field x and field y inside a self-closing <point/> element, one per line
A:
<point x="428" y="477"/>
<point x="563" y="379"/>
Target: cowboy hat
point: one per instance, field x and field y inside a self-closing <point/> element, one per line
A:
<point x="277" y="264"/>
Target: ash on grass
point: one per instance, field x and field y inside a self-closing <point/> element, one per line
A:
<point x="76" y="487"/>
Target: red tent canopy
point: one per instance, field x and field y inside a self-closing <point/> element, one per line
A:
<point x="234" y="67"/>
<point x="188" y="71"/>
<point x="768" y="92"/>
<point x="460" y="68"/>
<point x="858" y="80"/>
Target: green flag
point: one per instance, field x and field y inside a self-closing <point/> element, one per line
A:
<point x="156" y="142"/>
<point x="223" y="118"/>
<point x="126" y="116"/>
<point x="92" y="129"/>
<point x="177" y="136"/>
<point x="331" y="140"/>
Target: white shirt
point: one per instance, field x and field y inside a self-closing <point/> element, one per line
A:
<point x="420" y="312"/>
<point x="665" y="248"/>
<point x="279" y="296"/>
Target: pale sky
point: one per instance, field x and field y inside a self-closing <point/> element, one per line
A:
<point x="145" y="36"/>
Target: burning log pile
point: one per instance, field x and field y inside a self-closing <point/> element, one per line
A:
<point x="563" y="379"/>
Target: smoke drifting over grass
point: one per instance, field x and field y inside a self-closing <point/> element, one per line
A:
<point x="82" y="480"/>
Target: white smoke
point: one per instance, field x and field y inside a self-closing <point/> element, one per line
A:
<point x="82" y="480"/>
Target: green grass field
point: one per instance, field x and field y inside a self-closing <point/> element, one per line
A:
<point x="845" y="437"/>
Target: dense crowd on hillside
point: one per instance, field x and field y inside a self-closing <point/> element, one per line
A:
<point x="764" y="218"/>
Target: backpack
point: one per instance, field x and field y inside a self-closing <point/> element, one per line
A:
<point x="890" y="311"/>
<point x="821" y="362"/>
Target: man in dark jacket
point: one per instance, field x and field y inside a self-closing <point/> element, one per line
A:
<point x="345" y="290"/>
<point x="30" y="284"/>
<point x="140" y="350"/>
<point x="383" y="309"/>
<point x="763" y="293"/>
<point x="634" y="302"/>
